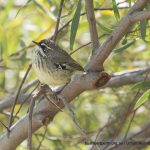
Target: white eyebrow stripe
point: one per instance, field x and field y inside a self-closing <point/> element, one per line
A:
<point x="42" y="53"/>
<point x="47" y="46"/>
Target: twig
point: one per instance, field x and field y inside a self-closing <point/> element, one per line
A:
<point x="53" y="103"/>
<point x="8" y="130"/>
<point x="95" y="9"/>
<point x="146" y="129"/>
<point x="64" y="26"/>
<point x="85" y="45"/>
<point x="130" y="112"/>
<point x="92" y="25"/>
<point x="118" y="33"/>
<point x="134" y="112"/>
<point x="30" y="85"/>
<point x="21" y="50"/>
<point x="30" y="124"/>
<point x="58" y="20"/>
<point x="121" y="2"/>
<point x="72" y="115"/>
<point x="8" y="114"/>
<point x="47" y="91"/>
<point x="22" y="6"/>
<point x="128" y="128"/>
<point x="31" y="107"/>
<point x="43" y="137"/>
<point x="17" y="95"/>
<point x="127" y="113"/>
<point x="26" y="99"/>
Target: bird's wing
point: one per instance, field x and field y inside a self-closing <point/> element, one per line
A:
<point x="68" y="62"/>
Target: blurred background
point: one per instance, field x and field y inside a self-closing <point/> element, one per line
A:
<point x="24" y="21"/>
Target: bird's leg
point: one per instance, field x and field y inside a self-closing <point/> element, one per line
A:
<point x="53" y="94"/>
<point x="50" y="95"/>
<point x="48" y="91"/>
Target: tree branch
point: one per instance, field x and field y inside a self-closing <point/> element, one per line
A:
<point x="45" y="111"/>
<point x="17" y="95"/>
<point x="137" y="16"/>
<point x="127" y="77"/>
<point x="58" y="20"/>
<point x="118" y="79"/>
<point x="105" y="49"/>
<point x="92" y="25"/>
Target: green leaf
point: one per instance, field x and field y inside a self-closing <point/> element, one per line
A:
<point x="143" y="84"/>
<point x="124" y="47"/>
<point x="143" y="24"/>
<point x="103" y="27"/>
<point x="22" y="43"/>
<point x="22" y="7"/>
<point x="115" y="9"/>
<point x="75" y="24"/>
<point x="40" y="6"/>
<point x="145" y="97"/>
<point x="124" y="41"/>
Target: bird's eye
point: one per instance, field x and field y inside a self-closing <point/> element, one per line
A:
<point x="61" y="66"/>
<point x="44" y="47"/>
<point x="64" y="66"/>
<point x="44" y="50"/>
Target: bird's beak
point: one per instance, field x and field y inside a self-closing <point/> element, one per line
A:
<point x="36" y="43"/>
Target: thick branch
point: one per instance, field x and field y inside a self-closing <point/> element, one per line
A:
<point x="118" y="79"/>
<point x="122" y="28"/>
<point x="92" y="24"/>
<point x="46" y="111"/>
<point x="8" y="101"/>
<point x="127" y="77"/>
<point x="137" y="16"/>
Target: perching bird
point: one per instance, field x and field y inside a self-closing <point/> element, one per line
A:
<point x="53" y="65"/>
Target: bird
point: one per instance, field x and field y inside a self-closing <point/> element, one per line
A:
<point x="53" y="65"/>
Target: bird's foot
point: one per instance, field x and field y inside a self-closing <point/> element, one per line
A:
<point x="48" y="92"/>
<point x="51" y="96"/>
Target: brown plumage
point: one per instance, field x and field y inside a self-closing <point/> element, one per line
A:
<point x="53" y="65"/>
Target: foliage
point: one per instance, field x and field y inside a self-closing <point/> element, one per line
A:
<point x="21" y="22"/>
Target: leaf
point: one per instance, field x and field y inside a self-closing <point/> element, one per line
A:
<point x="115" y="9"/>
<point x="143" y="84"/>
<point x="22" y="43"/>
<point x="40" y="6"/>
<point x="124" y="41"/>
<point x="145" y="97"/>
<point x="143" y="24"/>
<point x="23" y="7"/>
<point x="4" y="47"/>
<point x="75" y="24"/>
<point x="108" y="30"/>
<point x="124" y="47"/>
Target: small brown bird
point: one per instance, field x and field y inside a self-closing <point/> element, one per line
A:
<point x="53" y="65"/>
